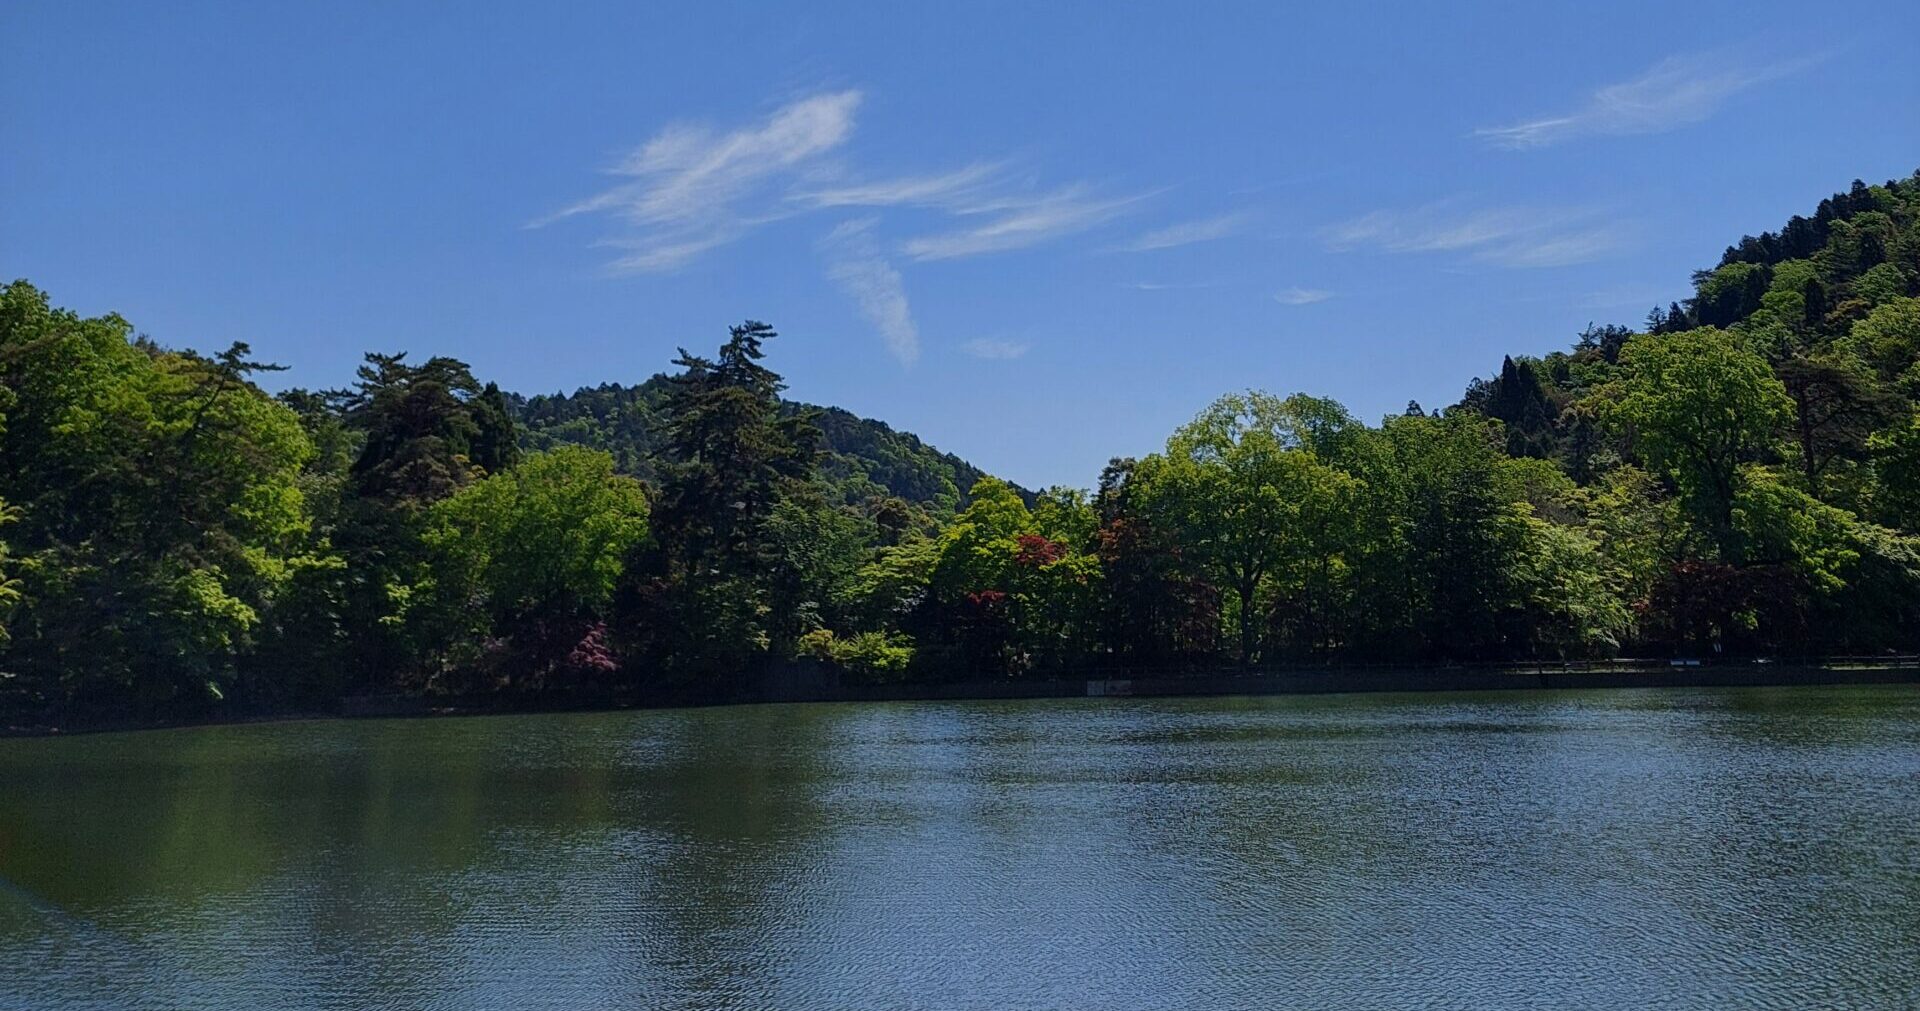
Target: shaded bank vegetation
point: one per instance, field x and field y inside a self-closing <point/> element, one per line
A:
<point x="1739" y="474"/>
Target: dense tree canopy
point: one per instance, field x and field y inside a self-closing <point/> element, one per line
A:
<point x="1742" y="474"/>
<point x="158" y="508"/>
<point x="1694" y="404"/>
<point x="864" y="462"/>
<point x="534" y="553"/>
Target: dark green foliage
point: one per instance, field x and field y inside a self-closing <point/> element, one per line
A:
<point x="494" y="447"/>
<point x="1838" y="405"/>
<point x="864" y="459"/>
<point x="430" y="429"/>
<point x="1727" y="295"/>
<point x="1607" y="340"/>
<point x="706" y="597"/>
<point x="1517" y="398"/>
<point x="1157" y="611"/>
<point x="1743" y="475"/>
<point x="1803" y="237"/>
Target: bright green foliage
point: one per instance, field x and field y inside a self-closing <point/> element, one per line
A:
<point x="1752" y="558"/>
<point x="816" y="553"/>
<point x="545" y="537"/>
<point x="1636" y="527"/>
<point x="1419" y="539"/>
<point x="1011" y="589"/>
<point x="893" y="585"/>
<point x="877" y="657"/>
<point x="1563" y="586"/>
<point x="1883" y="283"/>
<point x="1881" y="602"/>
<point x="1695" y="404"/>
<point x="161" y="509"/>
<point x="1896" y="455"/>
<point x="530" y="557"/>
<point x="1744" y="476"/>
<point x="1263" y="516"/>
<point x="1888" y="339"/>
<point x="977" y="549"/>
<point x="9" y="585"/>
<point x="1781" y="525"/>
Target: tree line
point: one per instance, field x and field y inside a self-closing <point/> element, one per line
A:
<point x="1740" y="474"/>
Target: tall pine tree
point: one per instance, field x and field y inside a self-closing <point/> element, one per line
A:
<point x="700" y="600"/>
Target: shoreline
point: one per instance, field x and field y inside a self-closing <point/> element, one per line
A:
<point x="815" y="683"/>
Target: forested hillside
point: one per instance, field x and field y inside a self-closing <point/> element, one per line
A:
<point x="1776" y="411"/>
<point x="865" y="459"/>
<point x="1738" y="475"/>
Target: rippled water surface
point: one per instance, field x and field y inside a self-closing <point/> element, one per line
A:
<point x="1677" y="849"/>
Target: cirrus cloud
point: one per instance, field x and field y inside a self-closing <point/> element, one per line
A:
<point x="1016" y="222"/>
<point x="692" y="189"/>
<point x="1677" y="91"/>
<point x="684" y="188"/>
<point x="1514" y="236"/>
<point x="1186" y="233"/>
<point x="855" y="264"/>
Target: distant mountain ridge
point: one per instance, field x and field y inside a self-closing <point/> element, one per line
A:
<point x="865" y="459"/>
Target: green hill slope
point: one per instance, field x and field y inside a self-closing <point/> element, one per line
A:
<point x="1831" y="302"/>
<point x="866" y="459"/>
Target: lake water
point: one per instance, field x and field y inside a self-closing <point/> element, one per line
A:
<point x="1655" y="848"/>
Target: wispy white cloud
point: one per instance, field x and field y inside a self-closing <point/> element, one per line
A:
<point x="662" y="253"/>
<point x="856" y="265"/>
<point x="1018" y="222"/>
<point x="935" y="189"/>
<point x="1428" y="229"/>
<point x="1186" y="233"/>
<point x="1302" y="296"/>
<point x="684" y="187"/>
<point x="994" y="349"/>
<point x="1557" y="250"/>
<point x="1508" y="236"/>
<point x="692" y="189"/>
<point x="1675" y="92"/>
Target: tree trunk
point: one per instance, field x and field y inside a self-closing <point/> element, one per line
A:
<point x="1246" y="622"/>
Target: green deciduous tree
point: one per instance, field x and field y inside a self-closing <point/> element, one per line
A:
<point x="1896" y="460"/>
<point x="1016" y="587"/>
<point x="161" y="508"/>
<point x="1695" y="404"/>
<point x="1889" y="341"/>
<point x="1256" y="508"/>
<point x="1572" y="608"/>
<point x="532" y="555"/>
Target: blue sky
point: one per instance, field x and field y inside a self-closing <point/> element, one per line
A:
<point x="1038" y="238"/>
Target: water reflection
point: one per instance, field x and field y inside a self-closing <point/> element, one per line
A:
<point x="1581" y="849"/>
